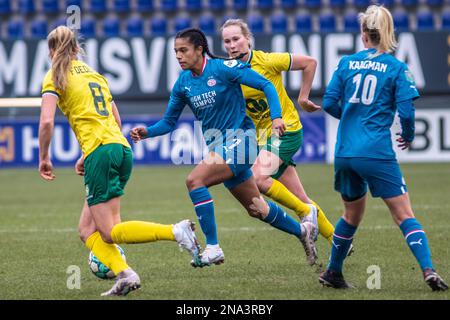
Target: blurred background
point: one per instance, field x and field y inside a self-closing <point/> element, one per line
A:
<point x="131" y="43"/>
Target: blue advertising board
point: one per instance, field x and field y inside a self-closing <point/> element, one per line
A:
<point x="19" y="144"/>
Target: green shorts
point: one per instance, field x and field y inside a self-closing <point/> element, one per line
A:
<point x="285" y="148"/>
<point x="106" y="172"/>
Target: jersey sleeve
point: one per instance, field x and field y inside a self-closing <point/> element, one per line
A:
<point x="243" y="74"/>
<point x="405" y="87"/>
<point x="174" y="109"/>
<point x="334" y="92"/>
<point x="48" y="87"/>
<point x="279" y="61"/>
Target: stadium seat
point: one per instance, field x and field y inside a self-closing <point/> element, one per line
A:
<point x="217" y="5"/>
<point x="181" y="23"/>
<point x="26" y="6"/>
<point x="337" y="4"/>
<point x="279" y="23"/>
<point x="303" y="22"/>
<point x="327" y="22"/>
<point x="194" y="5"/>
<point x="5" y="6"/>
<point x="425" y="21"/>
<point x="288" y="4"/>
<point x="435" y="3"/>
<point x="264" y="4"/>
<point x="386" y="3"/>
<point x="226" y="17"/>
<point x="256" y="23"/>
<point x="446" y="20"/>
<point x="240" y="5"/>
<point x="111" y="27"/>
<point x="351" y="23"/>
<point x="169" y="5"/>
<point x="121" y="6"/>
<point x="15" y="29"/>
<point x="98" y="6"/>
<point x="78" y="3"/>
<point x="135" y="27"/>
<point x="144" y="5"/>
<point x="409" y="3"/>
<point x="401" y="21"/>
<point x="207" y="24"/>
<point x="361" y="4"/>
<point x="50" y="6"/>
<point x="39" y="29"/>
<point x="158" y="26"/>
<point x="312" y="4"/>
<point x="88" y="26"/>
<point x="58" y="22"/>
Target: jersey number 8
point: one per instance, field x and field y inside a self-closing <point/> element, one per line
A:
<point x="99" y="99"/>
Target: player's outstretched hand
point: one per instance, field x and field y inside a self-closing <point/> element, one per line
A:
<point x="402" y="143"/>
<point x="79" y="166"/>
<point x="278" y="127"/>
<point x="308" y="105"/>
<point x="138" y="133"/>
<point x="46" y="170"/>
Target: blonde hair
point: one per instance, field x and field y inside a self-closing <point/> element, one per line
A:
<point x="377" y="22"/>
<point x="239" y="23"/>
<point x="64" y="44"/>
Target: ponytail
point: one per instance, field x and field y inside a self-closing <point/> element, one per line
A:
<point x="377" y="22"/>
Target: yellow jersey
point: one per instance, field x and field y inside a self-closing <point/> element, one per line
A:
<point x="270" y="65"/>
<point x="86" y="102"/>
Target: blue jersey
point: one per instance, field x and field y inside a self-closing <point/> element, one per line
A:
<point x="215" y="97"/>
<point x="364" y="93"/>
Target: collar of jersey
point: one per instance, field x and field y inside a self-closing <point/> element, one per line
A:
<point x="203" y="68"/>
<point x="250" y="56"/>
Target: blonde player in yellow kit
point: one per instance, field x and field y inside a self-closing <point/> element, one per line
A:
<point x="84" y="98"/>
<point x="274" y="169"/>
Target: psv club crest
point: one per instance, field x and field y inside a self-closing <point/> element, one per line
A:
<point x="211" y="82"/>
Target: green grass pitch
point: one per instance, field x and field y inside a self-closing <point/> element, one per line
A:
<point x="39" y="240"/>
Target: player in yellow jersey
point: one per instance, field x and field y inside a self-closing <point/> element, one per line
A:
<point x="84" y="97"/>
<point x="274" y="169"/>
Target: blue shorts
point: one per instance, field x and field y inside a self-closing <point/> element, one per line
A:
<point x="353" y="175"/>
<point x="239" y="153"/>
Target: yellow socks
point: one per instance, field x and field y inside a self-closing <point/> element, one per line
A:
<point x="282" y="195"/>
<point x="107" y="253"/>
<point x="326" y="229"/>
<point x="140" y="232"/>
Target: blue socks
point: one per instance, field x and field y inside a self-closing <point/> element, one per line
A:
<point x="204" y="208"/>
<point x="342" y="239"/>
<point x="282" y="221"/>
<point x="417" y="241"/>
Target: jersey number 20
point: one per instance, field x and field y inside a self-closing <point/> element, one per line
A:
<point x="368" y="89"/>
<point x="99" y="99"/>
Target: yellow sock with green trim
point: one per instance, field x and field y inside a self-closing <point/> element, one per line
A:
<point x="282" y="195"/>
<point x="326" y="229"/>
<point x="141" y="231"/>
<point x="107" y="253"/>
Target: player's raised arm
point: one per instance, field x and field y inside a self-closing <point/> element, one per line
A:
<point x="167" y="123"/>
<point x="308" y="66"/>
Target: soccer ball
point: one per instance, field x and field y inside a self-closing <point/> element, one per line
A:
<point x="99" y="269"/>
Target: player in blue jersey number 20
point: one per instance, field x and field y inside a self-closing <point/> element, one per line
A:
<point x="212" y="90"/>
<point x="364" y="93"/>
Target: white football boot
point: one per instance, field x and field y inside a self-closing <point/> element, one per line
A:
<point x="126" y="282"/>
<point x="185" y="236"/>
<point x="212" y="254"/>
<point x="312" y="217"/>
<point x="307" y="240"/>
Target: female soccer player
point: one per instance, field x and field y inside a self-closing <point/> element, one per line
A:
<point x="211" y="88"/>
<point x="84" y="97"/>
<point x="364" y="93"/>
<point x="274" y="169"/>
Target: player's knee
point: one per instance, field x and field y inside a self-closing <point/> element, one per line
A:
<point x="106" y="236"/>
<point x="193" y="182"/>
<point x="85" y="232"/>
<point x="262" y="181"/>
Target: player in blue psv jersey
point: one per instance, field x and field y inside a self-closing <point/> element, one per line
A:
<point x="364" y="93"/>
<point x="212" y="90"/>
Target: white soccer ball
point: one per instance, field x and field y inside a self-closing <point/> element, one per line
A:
<point x="99" y="269"/>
